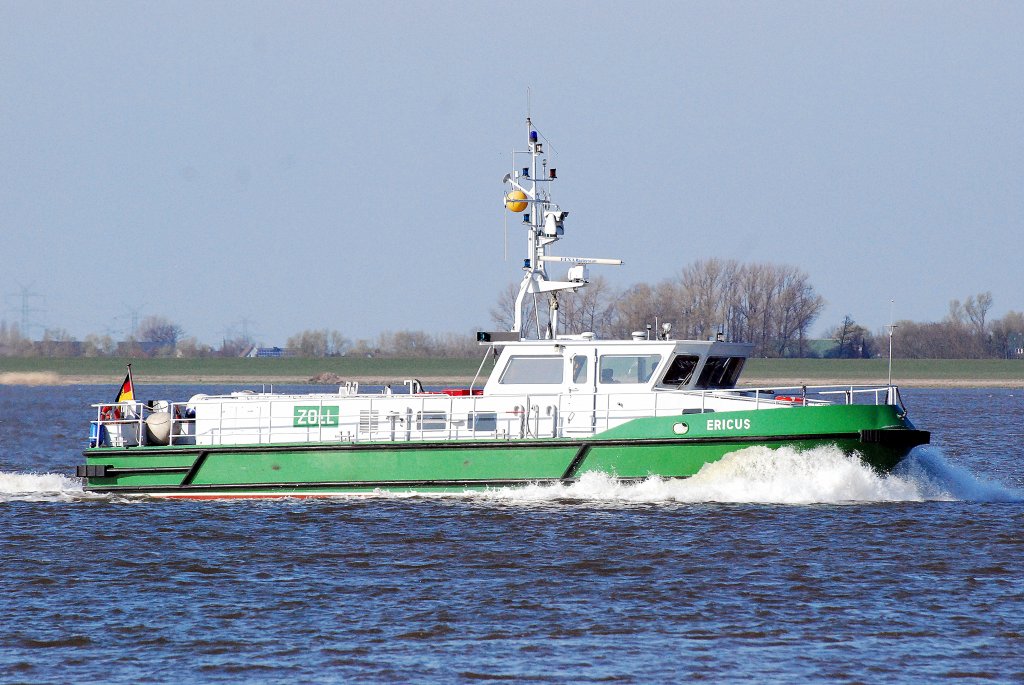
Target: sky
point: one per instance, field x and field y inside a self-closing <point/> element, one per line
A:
<point x="269" y="168"/>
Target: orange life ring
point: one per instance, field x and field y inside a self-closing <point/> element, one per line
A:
<point x="110" y="413"/>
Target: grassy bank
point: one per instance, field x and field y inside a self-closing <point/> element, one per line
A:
<point x="914" y="371"/>
<point x="934" y="372"/>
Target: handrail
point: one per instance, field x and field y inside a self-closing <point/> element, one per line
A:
<point x="487" y="352"/>
<point x="272" y="418"/>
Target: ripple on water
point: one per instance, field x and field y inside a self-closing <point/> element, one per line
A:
<point x="774" y="567"/>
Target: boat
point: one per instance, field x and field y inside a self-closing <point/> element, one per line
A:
<point x="544" y="409"/>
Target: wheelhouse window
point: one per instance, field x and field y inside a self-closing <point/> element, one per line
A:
<point x="721" y="372"/>
<point x="533" y="371"/>
<point x="680" y="371"/>
<point x="628" y="368"/>
<point x="579" y="368"/>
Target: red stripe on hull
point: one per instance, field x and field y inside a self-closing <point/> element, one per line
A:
<point x="261" y="496"/>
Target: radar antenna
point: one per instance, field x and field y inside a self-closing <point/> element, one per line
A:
<point x="544" y="221"/>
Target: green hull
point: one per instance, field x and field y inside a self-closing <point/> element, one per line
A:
<point x="669" y="447"/>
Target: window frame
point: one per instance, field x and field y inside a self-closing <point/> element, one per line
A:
<point x="431" y="420"/>
<point x="627" y="381"/>
<point x="584" y="368"/>
<point x="720" y="373"/>
<point x="475" y="418"/>
<point x="524" y="361"/>
<point x="674" y="383"/>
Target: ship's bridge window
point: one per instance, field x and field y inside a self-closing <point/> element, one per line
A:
<point x="680" y="371"/>
<point x="533" y="371"/>
<point x="628" y="368"/>
<point x="579" y="368"/>
<point x="721" y="372"/>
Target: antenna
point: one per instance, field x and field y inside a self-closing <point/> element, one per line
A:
<point x="892" y="328"/>
<point x="133" y="315"/>
<point x="27" y="311"/>
<point x="246" y="334"/>
<point x="545" y="224"/>
<point x="240" y="330"/>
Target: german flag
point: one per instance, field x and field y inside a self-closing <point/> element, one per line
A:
<point x="127" y="391"/>
<point x="125" y="394"/>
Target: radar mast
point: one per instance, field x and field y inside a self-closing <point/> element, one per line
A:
<point x="544" y="221"/>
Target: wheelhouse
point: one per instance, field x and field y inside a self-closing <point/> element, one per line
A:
<point x="616" y="366"/>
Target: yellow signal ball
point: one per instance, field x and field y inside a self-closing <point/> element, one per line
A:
<point x="515" y="201"/>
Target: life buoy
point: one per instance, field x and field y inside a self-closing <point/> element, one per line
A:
<point x="791" y="400"/>
<point x="110" y="413"/>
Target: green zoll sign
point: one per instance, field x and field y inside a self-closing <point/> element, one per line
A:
<point x="311" y="417"/>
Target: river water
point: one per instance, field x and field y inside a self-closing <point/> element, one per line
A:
<point x="767" y="567"/>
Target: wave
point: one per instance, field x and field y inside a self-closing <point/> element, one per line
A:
<point x="759" y="475"/>
<point x="39" y="487"/>
<point x="755" y="475"/>
<point x="939" y="479"/>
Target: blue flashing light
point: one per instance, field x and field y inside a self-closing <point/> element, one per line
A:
<point x="533" y="136"/>
<point x="526" y="172"/>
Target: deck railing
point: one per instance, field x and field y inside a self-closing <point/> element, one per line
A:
<point x="438" y="417"/>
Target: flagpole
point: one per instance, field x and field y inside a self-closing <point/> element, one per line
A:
<point x="892" y="329"/>
<point x="129" y="384"/>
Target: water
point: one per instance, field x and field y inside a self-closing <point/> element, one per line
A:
<point x="767" y="567"/>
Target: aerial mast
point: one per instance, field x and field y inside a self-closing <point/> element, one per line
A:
<point x="544" y="223"/>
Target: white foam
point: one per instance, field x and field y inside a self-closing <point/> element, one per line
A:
<point x="939" y="479"/>
<point x="822" y="475"/>
<point x="37" y="487"/>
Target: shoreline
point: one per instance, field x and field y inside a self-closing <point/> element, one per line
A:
<point x="46" y="378"/>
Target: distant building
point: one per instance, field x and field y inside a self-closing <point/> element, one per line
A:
<point x="274" y="352"/>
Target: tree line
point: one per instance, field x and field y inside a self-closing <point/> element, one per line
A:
<point x="159" y="337"/>
<point x="966" y="332"/>
<point x="772" y="306"/>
